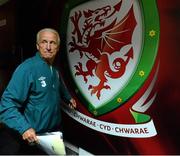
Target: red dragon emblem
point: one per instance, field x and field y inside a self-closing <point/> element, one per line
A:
<point x="99" y="38"/>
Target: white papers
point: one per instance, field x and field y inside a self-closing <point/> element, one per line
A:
<point x="52" y="143"/>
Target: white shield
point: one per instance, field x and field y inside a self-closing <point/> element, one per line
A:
<point x="103" y="10"/>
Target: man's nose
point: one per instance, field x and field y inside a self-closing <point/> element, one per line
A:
<point x="48" y="46"/>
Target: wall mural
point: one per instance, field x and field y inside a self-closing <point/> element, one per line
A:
<point x="109" y="61"/>
<point x="112" y="59"/>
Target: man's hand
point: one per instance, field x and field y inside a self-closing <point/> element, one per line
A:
<point x="72" y="103"/>
<point x="30" y="136"/>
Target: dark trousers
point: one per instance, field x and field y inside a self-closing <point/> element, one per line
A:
<point x="11" y="143"/>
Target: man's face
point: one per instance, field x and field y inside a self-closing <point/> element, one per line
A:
<point x="48" y="45"/>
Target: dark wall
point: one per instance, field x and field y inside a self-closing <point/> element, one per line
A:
<point x="34" y="15"/>
<point x="8" y="42"/>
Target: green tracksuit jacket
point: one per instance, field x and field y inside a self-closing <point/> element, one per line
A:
<point x="33" y="96"/>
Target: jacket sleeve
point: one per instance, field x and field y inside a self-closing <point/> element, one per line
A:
<point x="13" y="100"/>
<point x="64" y="91"/>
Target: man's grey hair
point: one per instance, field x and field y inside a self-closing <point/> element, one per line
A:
<point x="49" y="30"/>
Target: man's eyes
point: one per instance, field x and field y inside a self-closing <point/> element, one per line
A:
<point x="50" y="42"/>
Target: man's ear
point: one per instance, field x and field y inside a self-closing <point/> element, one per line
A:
<point x="37" y="46"/>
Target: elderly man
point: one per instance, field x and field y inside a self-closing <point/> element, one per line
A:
<point x="31" y="102"/>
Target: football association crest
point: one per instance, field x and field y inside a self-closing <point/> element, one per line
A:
<point x="111" y="48"/>
<point x="106" y="52"/>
